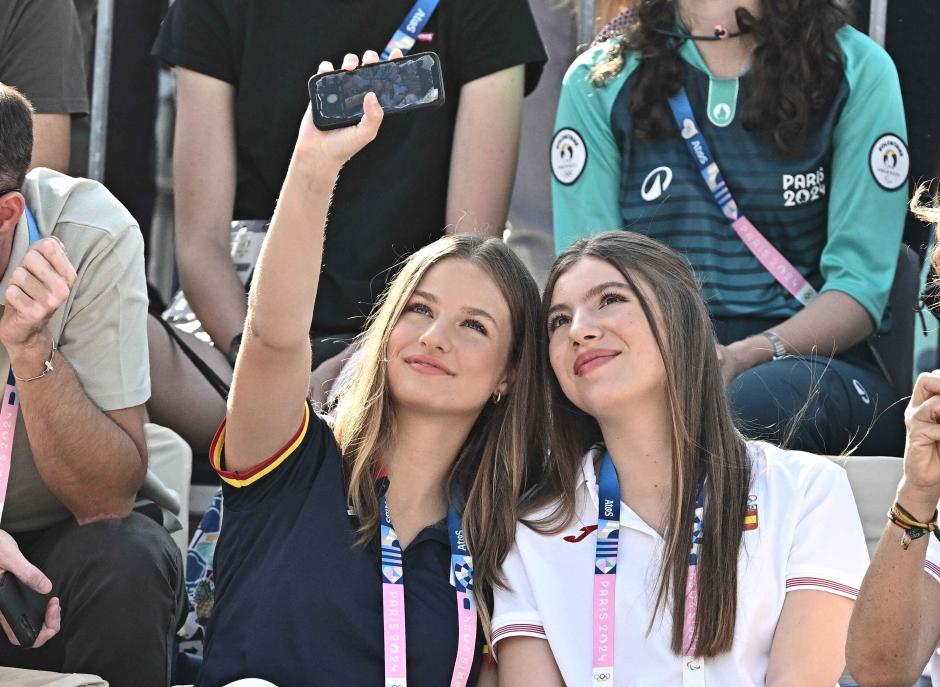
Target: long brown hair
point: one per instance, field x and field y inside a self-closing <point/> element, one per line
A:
<point x="796" y="69"/>
<point x="706" y="445"/>
<point x="491" y="467"/>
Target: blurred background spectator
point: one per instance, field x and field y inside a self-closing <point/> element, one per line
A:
<point x="130" y="153"/>
<point x="41" y="56"/>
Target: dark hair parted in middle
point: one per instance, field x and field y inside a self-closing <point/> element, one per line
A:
<point x="705" y="443"/>
<point x="796" y="69"/>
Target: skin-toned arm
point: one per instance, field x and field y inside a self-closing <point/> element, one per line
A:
<point x="272" y="373"/>
<point x="831" y="323"/>
<point x="808" y="649"/>
<point x="94" y="462"/>
<point x="899" y="595"/>
<point x="525" y="661"/>
<point x="896" y="624"/>
<point x="487" y="675"/>
<point x="204" y="167"/>
<point x="51" y="138"/>
<point x="483" y="156"/>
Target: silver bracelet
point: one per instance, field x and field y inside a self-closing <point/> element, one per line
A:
<point x="46" y="368"/>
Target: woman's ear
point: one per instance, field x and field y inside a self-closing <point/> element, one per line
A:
<point x="505" y="383"/>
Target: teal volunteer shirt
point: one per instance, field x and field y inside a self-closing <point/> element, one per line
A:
<point x="835" y="210"/>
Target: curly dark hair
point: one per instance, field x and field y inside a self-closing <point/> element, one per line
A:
<point x="796" y="70"/>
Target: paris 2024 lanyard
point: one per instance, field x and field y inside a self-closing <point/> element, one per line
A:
<point x="605" y="584"/>
<point x="11" y="402"/>
<point x="393" y="600"/>
<point x="772" y="260"/>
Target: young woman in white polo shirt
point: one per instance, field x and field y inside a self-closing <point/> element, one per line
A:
<point x="710" y="560"/>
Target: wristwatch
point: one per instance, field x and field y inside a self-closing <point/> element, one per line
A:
<point x="780" y="351"/>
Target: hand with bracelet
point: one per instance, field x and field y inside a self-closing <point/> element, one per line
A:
<point x="38" y="287"/>
<point x="895" y="626"/>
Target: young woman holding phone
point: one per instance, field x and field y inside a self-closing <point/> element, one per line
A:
<point x="708" y="555"/>
<point x="346" y="550"/>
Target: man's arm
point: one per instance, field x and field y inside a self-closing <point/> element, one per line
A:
<point x="92" y="462"/>
<point x="52" y="134"/>
<point x="204" y="168"/>
<point x="484" y="153"/>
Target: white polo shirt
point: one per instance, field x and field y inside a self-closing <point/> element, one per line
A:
<point x="808" y="536"/>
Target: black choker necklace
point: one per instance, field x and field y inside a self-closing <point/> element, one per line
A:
<point x="720" y="34"/>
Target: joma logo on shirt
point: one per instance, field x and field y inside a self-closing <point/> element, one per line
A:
<point x="799" y="189"/>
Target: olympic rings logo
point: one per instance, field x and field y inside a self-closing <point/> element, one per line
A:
<point x="602" y="677"/>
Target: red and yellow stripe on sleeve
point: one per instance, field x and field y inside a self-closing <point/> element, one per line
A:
<point x="243" y="479"/>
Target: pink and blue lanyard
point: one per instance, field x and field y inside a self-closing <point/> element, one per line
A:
<point x="393" y="600"/>
<point x="413" y="24"/>
<point x="11" y="403"/>
<point x="773" y="261"/>
<point x="605" y="584"/>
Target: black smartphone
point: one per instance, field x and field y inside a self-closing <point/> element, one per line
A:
<point x="23" y="608"/>
<point x="403" y="85"/>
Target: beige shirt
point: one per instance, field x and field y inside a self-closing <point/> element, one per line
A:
<point x="101" y="329"/>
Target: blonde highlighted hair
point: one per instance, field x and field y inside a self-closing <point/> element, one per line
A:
<point x="493" y="465"/>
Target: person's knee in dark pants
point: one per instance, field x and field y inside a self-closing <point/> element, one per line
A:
<point x="821" y="405"/>
<point x="120" y="583"/>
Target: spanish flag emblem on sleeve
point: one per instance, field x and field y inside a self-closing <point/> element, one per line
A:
<point x="750" y="515"/>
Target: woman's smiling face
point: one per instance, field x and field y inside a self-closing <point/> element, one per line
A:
<point x="449" y="350"/>
<point x="601" y="346"/>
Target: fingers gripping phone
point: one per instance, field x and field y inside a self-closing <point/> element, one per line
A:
<point x="402" y="85"/>
<point x="23" y="608"/>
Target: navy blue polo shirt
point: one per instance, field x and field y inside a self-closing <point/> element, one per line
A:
<point x="297" y="602"/>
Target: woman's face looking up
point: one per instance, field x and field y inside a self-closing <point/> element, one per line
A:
<point x="601" y="346"/>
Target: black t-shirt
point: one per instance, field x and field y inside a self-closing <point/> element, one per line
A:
<point x="297" y="602"/>
<point x="391" y="197"/>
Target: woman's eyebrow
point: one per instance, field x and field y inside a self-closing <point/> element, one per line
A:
<point x="593" y="292"/>
<point x="468" y="309"/>
<point x="425" y="295"/>
<point x="479" y="312"/>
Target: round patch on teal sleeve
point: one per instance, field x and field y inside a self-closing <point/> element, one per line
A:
<point x="568" y="156"/>
<point x="889" y="162"/>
